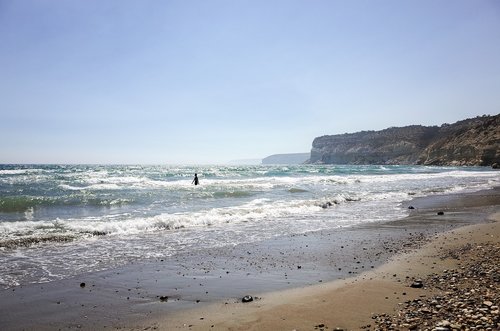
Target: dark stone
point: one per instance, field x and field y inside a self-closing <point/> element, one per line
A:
<point x="164" y="298"/>
<point x="411" y="207"/>
<point x="247" y="298"/>
<point x="495" y="166"/>
<point x="440" y="213"/>
<point x="82" y="285"/>
<point x="417" y="284"/>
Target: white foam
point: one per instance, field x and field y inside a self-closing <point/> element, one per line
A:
<point x="19" y="171"/>
<point x="257" y="206"/>
<point x="14" y="172"/>
<point x="341" y="189"/>
<point x="95" y="187"/>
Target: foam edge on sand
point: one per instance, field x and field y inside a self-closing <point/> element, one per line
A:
<point x="456" y="269"/>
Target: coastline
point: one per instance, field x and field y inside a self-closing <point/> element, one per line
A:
<point x="301" y="282"/>
<point x="375" y="299"/>
<point x="372" y="301"/>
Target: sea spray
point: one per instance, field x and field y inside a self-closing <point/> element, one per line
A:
<point x="60" y="220"/>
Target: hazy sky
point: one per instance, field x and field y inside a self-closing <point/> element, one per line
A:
<point x="102" y="81"/>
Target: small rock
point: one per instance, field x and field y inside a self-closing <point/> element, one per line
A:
<point x="417" y="284"/>
<point x="444" y="323"/>
<point x="164" y="298"/>
<point x="440" y="212"/>
<point x="82" y="285"/>
<point x="247" y="298"/>
<point x="488" y="303"/>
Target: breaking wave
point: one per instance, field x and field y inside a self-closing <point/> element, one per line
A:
<point x="27" y="203"/>
<point x="49" y="213"/>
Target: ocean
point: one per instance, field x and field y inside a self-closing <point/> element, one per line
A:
<point x="59" y="221"/>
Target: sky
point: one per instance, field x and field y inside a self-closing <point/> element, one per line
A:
<point x="209" y="81"/>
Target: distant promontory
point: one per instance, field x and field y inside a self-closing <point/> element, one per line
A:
<point x="471" y="142"/>
<point x="292" y="158"/>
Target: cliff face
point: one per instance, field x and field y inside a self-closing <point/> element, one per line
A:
<point x="293" y="158"/>
<point x="470" y="142"/>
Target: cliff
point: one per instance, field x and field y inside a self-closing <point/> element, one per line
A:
<point x="470" y="142"/>
<point x="293" y="158"/>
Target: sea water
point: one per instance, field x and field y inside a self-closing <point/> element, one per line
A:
<point x="58" y="221"/>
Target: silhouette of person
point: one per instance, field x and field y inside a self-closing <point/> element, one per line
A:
<point x="195" y="180"/>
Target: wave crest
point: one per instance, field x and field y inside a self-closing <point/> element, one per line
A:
<point x="33" y="240"/>
<point x="27" y="203"/>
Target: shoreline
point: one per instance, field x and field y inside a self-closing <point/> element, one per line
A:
<point x="203" y="288"/>
<point x="375" y="300"/>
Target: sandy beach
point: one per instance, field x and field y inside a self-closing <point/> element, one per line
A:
<point x="350" y="279"/>
<point x="249" y="165"/>
<point x="388" y="297"/>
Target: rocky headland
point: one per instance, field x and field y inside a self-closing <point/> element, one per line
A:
<point x="471" y="142"/>
<point x="291" y="158"/>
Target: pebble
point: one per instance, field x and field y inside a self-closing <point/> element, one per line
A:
<point x="247" y="298"/>
<point x="466" y="298"/>
<point x="417" y="284"/>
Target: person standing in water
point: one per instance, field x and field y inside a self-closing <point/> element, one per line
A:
<point x="195" y="180"/>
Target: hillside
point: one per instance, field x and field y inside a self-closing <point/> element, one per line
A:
<point x="470" y="142"/>
<point x="293" y="158"/>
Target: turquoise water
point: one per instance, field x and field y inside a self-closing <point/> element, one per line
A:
<point x="60" y="220"/>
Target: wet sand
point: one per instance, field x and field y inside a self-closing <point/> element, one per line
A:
<point x="381" y="299"/>
<point x="328" y="279"/>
